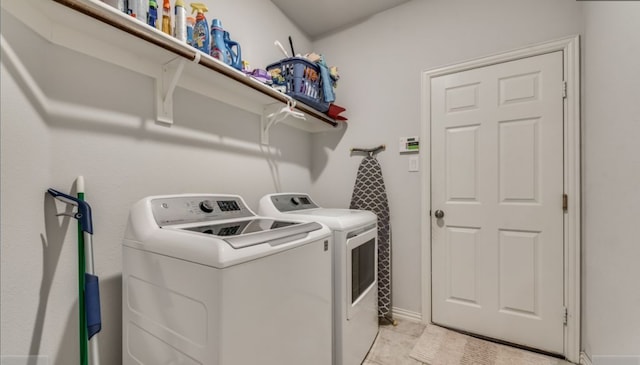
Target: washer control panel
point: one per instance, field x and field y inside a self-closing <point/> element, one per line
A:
<point x="191" y="209"/>
<point x="292" y="202"/>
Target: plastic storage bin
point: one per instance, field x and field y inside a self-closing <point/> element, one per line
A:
<point x="301" y="79"/>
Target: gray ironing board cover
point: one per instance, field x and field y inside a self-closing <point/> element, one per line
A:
<point x="369" y="193"/>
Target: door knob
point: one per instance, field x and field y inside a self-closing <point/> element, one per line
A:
<point x="439" y="214"/>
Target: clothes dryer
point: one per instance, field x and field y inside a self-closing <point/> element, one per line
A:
<point x="206" y="281"/>
<point x="355" y="270"/>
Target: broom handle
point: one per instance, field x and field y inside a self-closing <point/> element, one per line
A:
<point x="89" y="268"/>
<point x="84" y="360"/>
<point x="93" y="342"/>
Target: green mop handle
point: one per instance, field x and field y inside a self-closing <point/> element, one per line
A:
<point x="83" y="215"/>
<point x="83" y="337"/>
<point x="87" y="239"/>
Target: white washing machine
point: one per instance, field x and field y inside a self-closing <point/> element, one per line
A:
<point x="355" y="270"/>
<point x="206" y="281"/>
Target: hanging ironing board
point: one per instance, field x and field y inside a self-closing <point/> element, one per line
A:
<point x="369" y="193"/>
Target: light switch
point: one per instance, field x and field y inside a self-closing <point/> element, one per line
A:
<point x="413" y="164"/>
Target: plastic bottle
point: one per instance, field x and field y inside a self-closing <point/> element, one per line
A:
<point x="143" y="9"/>
<point x="191" y="22"/>
<point x="201" y="28"/>
<point x="158" y="16"/>
<point x="218" y="45"/>
<point x="180" y="21"/>
<point x="235" y="57"/>
<point x="138" y="9"/>
<point x="166" y="17"/>
<point x="132" y="9"/>
<point x="152" y="19"/>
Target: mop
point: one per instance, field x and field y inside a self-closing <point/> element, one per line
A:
<point x="88" y="290"/>
<point x="369" y="193"/>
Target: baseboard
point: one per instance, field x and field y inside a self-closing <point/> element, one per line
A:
<point x="408" y="315"/>
<point x="584" y="359"/>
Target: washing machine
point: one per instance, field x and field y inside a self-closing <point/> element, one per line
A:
<point x="206" y="281"/>
<point x="355" y="269"/>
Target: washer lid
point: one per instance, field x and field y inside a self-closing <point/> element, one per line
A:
<point x="301" y="206"/>
<point x="245" y="233"/>
<point x="336" y="219"/>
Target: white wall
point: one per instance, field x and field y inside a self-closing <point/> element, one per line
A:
<point x="106" y="132"/>
<point x="381" y="61"/>
<point x="125" y="156"/>
<point x="611" y="177"/>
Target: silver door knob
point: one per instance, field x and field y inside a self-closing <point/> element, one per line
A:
<point x="439" y="214"/>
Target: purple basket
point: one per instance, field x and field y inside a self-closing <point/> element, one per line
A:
<point x="302" y="80"/>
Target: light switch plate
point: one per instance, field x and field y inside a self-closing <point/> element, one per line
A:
<point x="414" y="164"/>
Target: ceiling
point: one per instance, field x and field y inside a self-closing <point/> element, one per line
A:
<point x="319" y="17"/>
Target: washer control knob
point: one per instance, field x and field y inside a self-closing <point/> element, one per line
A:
<point x="295" y="200"/>
<point x="206" y="206"/>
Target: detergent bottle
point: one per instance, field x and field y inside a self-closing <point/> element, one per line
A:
<point x="166" y="17"/>
<point x="201" y="29"/>
<point x="235" y="57"/>
<point x="218" y="46"/>
<point x="152" y="16"/>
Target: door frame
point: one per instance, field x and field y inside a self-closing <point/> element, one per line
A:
<point x="570" y="47"/>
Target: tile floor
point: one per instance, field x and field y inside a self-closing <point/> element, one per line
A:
<point x="393" y="344"/>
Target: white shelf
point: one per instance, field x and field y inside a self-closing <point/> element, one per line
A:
<point x="96" y="29"/>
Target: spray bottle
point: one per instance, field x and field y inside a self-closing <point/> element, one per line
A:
<point x="201" y="29"/>
<point x="166" y="17"/>
<point x="180" y="20"/>
<point x="153" y="13"/>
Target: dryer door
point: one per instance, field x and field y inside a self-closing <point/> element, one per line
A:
<point x="362" y="272"/>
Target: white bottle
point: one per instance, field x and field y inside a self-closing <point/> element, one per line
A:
<point x="180" y="16"/>
<point x="143" y="8"/>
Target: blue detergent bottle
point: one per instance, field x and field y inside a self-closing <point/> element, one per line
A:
<point x="152" y="15"/>
<point x="235" y="57"/>
<point x="218" y="46"/>
<point x="201" y="28"/>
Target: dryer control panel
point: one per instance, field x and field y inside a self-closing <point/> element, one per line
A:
<point x="198" y="208"/>
<point x="292" y="202"/>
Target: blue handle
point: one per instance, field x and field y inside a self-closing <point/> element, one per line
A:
<point x="236" y="57"/>
<point x="92" y="304"/>
<point x="83" y="215"/>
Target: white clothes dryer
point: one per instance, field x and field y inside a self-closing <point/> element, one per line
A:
<point x="355" y="270"/>
<point x="206" y="281"/>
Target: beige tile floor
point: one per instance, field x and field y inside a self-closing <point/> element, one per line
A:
<point x="394" y="344"/>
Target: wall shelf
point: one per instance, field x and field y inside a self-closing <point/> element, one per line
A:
<point x="121" y="40"/>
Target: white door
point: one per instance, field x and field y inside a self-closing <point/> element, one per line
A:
<point x="497" y="177"/>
